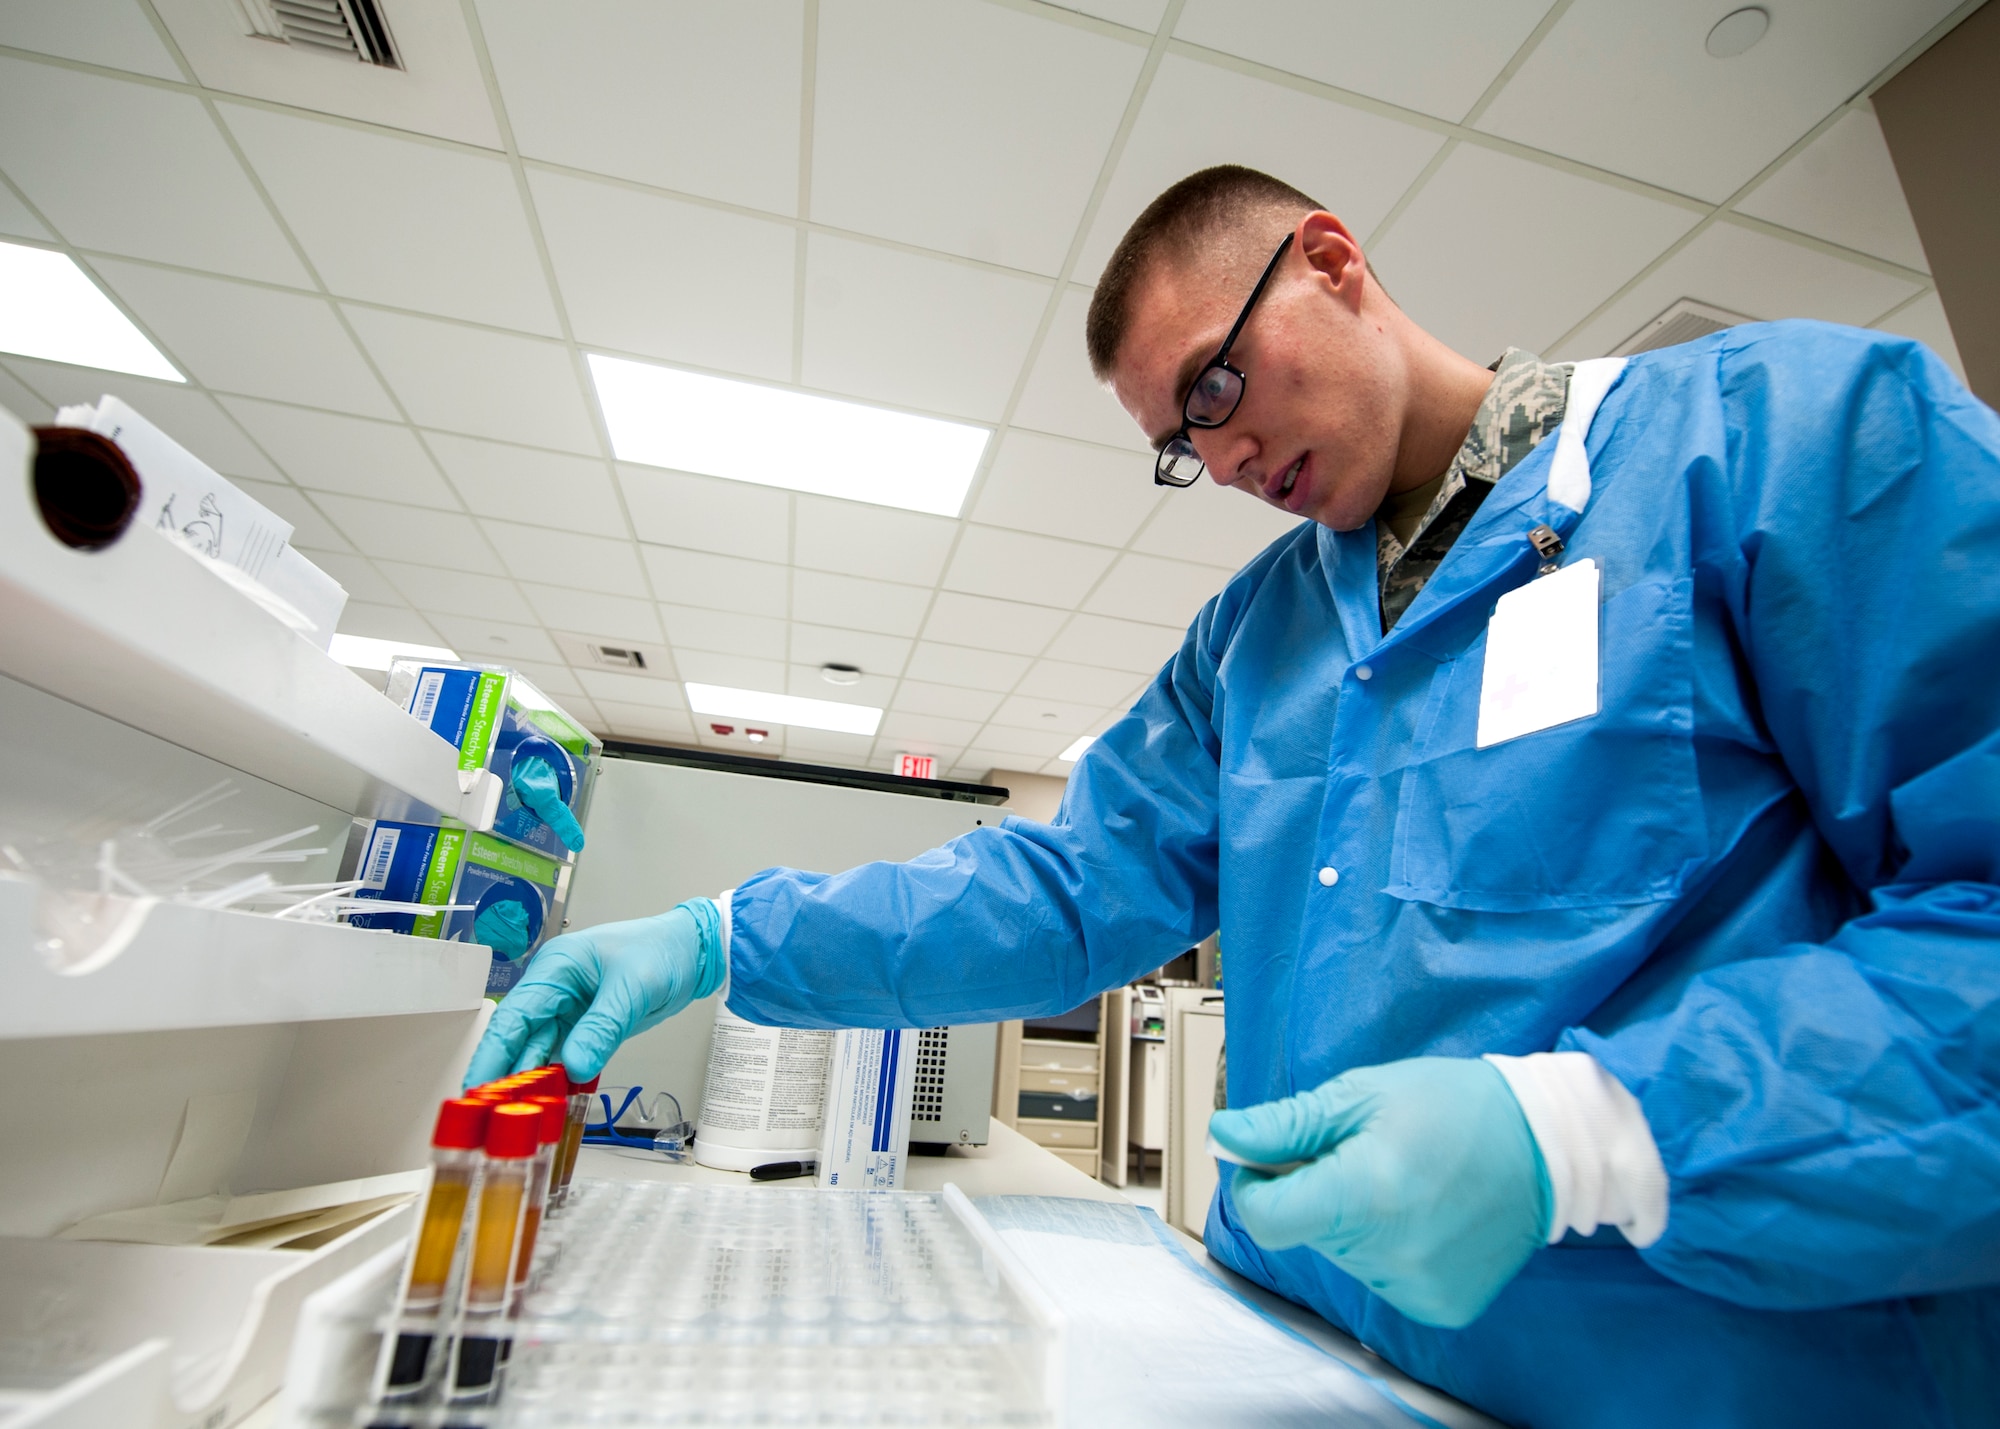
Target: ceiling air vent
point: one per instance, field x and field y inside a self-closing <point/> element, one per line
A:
<point x="619" y="657"/>
<point x="1685" y="321"/>
<point x="351" y="29"/>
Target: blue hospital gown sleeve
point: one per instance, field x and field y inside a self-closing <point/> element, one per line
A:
<point x="1829" y="1113"/>
<point x="1019" y="919"/>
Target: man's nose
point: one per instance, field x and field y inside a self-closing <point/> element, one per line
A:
<point x="1223" y="451"/>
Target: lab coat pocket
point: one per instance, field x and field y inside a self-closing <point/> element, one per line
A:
<point x="1599" y="812"/>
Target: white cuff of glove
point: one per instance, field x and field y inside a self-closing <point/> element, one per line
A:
<point x="1604" y="1167"/>
<point x="722" y="901"/>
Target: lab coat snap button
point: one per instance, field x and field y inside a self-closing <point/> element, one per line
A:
<point x="1328" y="877"/>
<point x="1364" y="672"/>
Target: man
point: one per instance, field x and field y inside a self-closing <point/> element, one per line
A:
<point x="1599" y="798"/>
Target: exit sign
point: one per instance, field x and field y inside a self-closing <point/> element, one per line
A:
<point x="917" y="766"/>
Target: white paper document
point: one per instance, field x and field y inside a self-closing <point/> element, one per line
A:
<point x="1541" y="655"/>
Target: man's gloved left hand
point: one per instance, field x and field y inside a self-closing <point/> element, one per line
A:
<point x="533" y="781"/>
<point x="586" y="992"/>
<point x="1422" y="1181"/>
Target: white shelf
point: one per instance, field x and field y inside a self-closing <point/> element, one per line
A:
<point x="143" y="633"/>
<point x="196" y="967"/>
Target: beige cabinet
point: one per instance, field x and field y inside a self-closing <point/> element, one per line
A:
<point x="1194" y="1051"/>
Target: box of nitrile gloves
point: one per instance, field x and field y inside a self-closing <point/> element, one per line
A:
<point x="496" y="719"/>
<point x="484" y="890"/>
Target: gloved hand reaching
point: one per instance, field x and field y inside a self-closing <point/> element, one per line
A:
<point x="588" y="991"/>
<point x="1422" y="1181"/>
<point x="533" y="781"/>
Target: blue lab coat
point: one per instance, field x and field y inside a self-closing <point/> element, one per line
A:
<point x="1761" y="886"/>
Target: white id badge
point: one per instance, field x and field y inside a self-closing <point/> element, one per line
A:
<point x="1541" y="655"/>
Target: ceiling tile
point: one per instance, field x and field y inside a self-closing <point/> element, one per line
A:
<point x="409" y="533"/>
<point x="879" y="322"/>
<point x="401" y="221"/>
<point x="476" y="638"/>
<point x="359" y="578"/>
<point x="22" y="402"/>
<point x="609" y="687"/>
<point x="726" y="632"/>
<point x="1925" y="321"/>
<point x="557" y="681"/>
<point x="743" y="672"/>
<point x="1745" y="272"/>
<point x="439" y="592"/>
<point x="1214" y="526"/>
<point x="1017" y="566"/>
<point x="1356" y="163"/>
<point x="1062" y="397"/>
<point x="861" y="540"/>
<point x="385" y="622"/>
<point x="716" y="582"/>
<point x="1436" y="56"/>
<point x="1080" y="684"/>
<point x="1032" y="712"/>
<point x="326" y="452"/>
<point x="647" y="722"/>
<point x="807" y="682"/>
<point x="489" y="384"/>
<point x="706" y="513"/>
<point x="158" y="182"/>
<point x="1843" y="187"/>
<point x="1066" y="488"/>
<point x="613" y="617"/>
<point x="311" y="531"/>
<point x="699" y="98"/>
<point x="683" y="281"/>
<point x="114" y="33"/>
<point x="257" y="341"/>
<point x="859" y="604"/>
<point x="1148" y="588"/>
<point x="959" y="665"/>
<point x="1632" y="89"/>
<point x="923" y="733"/>
<point x="16" y="221"/>
<point x="599" y="563"/>
<point x="554" y="489"/>
<point x="818" y="645"/>
<point x="1116" y="644"/>
<point x="1004" y="740"/>
<point x="189" y="417"/>
<point x="950" y="701"/>
<point x="1481" y="297"/>
<point x="984" y="624"/>
<point x="1007" y="117"/>
<point x="1138" y="14"/>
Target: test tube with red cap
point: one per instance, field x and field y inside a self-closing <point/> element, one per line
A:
<point x="541" y="1178"/>
<point x="580" y="1096"/>
<point x="513" y="1135"/>
<point x="456" y="1160"/>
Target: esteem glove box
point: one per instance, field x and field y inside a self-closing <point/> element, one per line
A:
<point x="494" y="716"/>
<point x="486" y="890"/>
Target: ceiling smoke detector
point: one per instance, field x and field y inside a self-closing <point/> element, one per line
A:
<point x="1684" y="321"/>
<point x="351" y="29"/>
<point x="840" y="674"/>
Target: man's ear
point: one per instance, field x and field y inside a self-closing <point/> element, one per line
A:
<point x="1333" y="253"/>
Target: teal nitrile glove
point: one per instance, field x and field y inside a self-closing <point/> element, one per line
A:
<point x="1422" y="1181"/>
<point x="503" y="928"/>
<point x="586" y="992"/>
<point x="533" y="781"/>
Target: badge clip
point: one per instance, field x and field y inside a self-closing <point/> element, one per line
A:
<point x="1548" y="545"/>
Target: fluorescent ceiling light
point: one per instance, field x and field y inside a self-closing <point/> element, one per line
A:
<point x="360" y="652"/>
<point x="782" y="709"/>
<point x="1075" y="751"/>
<point x="50" y="309"/>
<point x="663" y="416"/>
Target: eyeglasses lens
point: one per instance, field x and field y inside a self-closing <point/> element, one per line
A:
<point x="1214" y="396"/>
<point x="1178" y="464"/>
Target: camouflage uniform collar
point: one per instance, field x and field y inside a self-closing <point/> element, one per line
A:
<point x="1523" y="404"/>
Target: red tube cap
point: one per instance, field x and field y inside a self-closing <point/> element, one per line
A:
<point x="514" y="1131"/>
<point x="555" y="1111"/>
<point x="461" y="1124"/>
<point x="584" y="1088"/>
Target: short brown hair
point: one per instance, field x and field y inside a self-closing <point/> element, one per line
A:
<point x="1177" y="224"/>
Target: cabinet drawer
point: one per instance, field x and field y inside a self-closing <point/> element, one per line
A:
<point x="1084" y="1161"/>
<point x="1059" y="1056"/>
<point x="1080" y="1135"/>
<point x="1057" y="1106"/>
<point x="1041" y="1080"/>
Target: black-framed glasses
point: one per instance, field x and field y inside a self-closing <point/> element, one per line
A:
<point x="1213" y="398"/>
